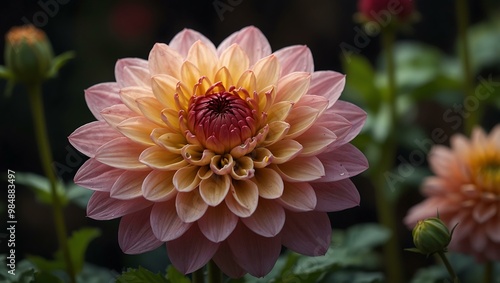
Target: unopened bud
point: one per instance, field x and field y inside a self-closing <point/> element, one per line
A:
<point x="28" y="54"/>
<point x="431" y="236"/>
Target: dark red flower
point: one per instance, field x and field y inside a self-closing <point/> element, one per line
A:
<point x="381" y="10"/>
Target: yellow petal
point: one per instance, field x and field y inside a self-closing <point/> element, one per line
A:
<point x="161" y="159"/>
<point x="204" y="58"/>
<point x="266" y="72"/>
<point x="190" y="74"/>
<point x="261" y="157"/>
<point x="235" y="60"/>
<point x="151" y="109"/>
<point x="277" y="130"/>
<point x="213" y="190"/>
<point x="247" y="81"/>
<point x="244" y="198"/>
<point x="293" y="86"/>
<point x="186" y="179"/>
<point x="269" y="183"/>
<point x="223" y="75"/>
<point x="164" y="60"/>
<point x="301" y="169"/>
<point x="284" y="150"/>
<point x="164" y="89"/>
<point x="190" y="206"/>
<point x="173" y="142"/>
<point x="138" y="129"/>
<point x="158" y="186"/>
<point x="222" y="164"/>
<point x="300" y="120"/>
<point x="129" y="95"/>
<point x="171" y="118"/>
<point x="243" y="168"/>
<point x="279" y="111"/>
<point x="197" y="155"/>
<point x="315" y="140"/>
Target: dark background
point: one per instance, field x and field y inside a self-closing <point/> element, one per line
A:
<point x="100" y="32"/>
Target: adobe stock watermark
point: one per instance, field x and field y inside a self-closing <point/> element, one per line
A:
<point x="222" y="7"/>
<point x="363" y="36"/>
<point x="49" y="8"/>
<point x="454" y="116"/>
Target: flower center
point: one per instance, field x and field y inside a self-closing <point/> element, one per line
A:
<point x="486" y="172"/>
<point x="221" y="120"/>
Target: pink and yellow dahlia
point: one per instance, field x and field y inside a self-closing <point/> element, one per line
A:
<point x="466" y="190"/>
<point x="223" y="153"/>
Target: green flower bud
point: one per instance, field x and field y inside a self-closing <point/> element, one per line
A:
<point x="28" y="54"/>
<point x="431" y="236"/>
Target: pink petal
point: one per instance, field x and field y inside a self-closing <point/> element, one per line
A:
<point x="355" y="115"/>
<point x="307" y="233"/>
<point x="102" y="207"/>
<point x="298" y="197"/>
<point x="425" y="209"/>
<point x="97" y="176"/>
<point x="164" y="60"/>
<point x="183" y="41"/>
<point x="165" y="223"/>
<point x="255" y="253"/>
<point x="244" y="198"/>
<point x="336" y="196"/>
<point x="132" y="72"/>
<point x="191" y="251"/>
<point x="251" y="40"/>
<point x="190" y="206"/>
<point x="328" y="84"/>
<point x="339" y="125"/>
<point x="101" y="96"/>
<point x="128" y="185"/>
<point x="484" y="211"/>
<point x="89" y="137"/>
<point x="116" y="114"/>
<point x="493" y="228"/>
<point x="224" y="259"/>
<point x="267" y="220"/>
<point x="344" y="162"/>
<point x="217" y="223"/>
<point x="296" y="58"/>
<point x="135" y="235"/>
<point x="121" y="153"/>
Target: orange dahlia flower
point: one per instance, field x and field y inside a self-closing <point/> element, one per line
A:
<point x="466" y="190"/>
<point x="222" y="153"/>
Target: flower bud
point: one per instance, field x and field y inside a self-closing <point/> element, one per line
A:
<point x="431" y="236"/>
<point x="28" y="54"/>
<point x="382" y="11"/>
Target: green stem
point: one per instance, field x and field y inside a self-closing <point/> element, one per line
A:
<point x="452" y="273"/>
<point x="385" y="207"/>
<point x="35" y="95"/>
<point x="488" y="272"/>
<point x="214" y="273"/>
<point x="199" y="276"/>
<point x="463" y="23"/>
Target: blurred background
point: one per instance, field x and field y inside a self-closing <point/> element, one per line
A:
<point x="100" y="32"/>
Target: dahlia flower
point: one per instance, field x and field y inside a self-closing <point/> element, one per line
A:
<point x="223" y="153"/>
<point x="466" y="190"/>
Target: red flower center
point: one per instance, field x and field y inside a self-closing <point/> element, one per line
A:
<point x="221" y="120"/>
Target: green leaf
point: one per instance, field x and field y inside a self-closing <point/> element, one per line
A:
<point x="78" y="243"/>
<point x="176" y="276"/>
<point x="141" y="275"/>
<point x="41" y="187"/>
<point x="96" y="274"/>
<point x="59" y="61"/>
<point x="360" y="82"/>
<point x="23" y="273"/>
<point x="366" y="237"/>
<point x="5" y="73"/>
<point x="350" y="276"/>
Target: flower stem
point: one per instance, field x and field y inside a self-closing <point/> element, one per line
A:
<point x="214" y="273"/>
<point x="385" y="207"/>
<point x="463" y="23"/>
<point x="488" y="272"/>
<point x="452" y="273"/>
<point x="35" y="96"/>
<point x="199" y="276"/>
